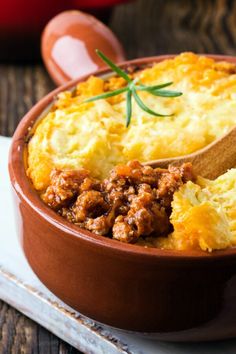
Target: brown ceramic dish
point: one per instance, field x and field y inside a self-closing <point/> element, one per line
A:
<point x="174" y="295"/>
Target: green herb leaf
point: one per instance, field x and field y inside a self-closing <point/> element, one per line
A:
<point x="106" y="95"/>
<point x="128" y="107"/>
<point x="145" y="108"/>
<point x="115" y="68"/>
<point x="166" y="93"/>
<point x="152" y="88"/>
<point x="131" y="90"/>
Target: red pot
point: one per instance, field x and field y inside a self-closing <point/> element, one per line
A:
<point x="22" y="21"/>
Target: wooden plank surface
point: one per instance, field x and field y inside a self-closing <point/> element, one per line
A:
<point x="145" y="27"/>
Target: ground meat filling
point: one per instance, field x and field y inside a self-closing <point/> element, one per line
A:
<point x="133" y="202"/>
<point x="64" y="187"/>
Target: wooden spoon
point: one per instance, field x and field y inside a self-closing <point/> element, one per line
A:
<point x="211" y="161"/>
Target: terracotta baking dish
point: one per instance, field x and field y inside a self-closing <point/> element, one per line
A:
<point x="170" y="295"/>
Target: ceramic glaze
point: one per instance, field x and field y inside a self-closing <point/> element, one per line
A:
<point x="69" y="42"/>
<point x="174" y="295"/>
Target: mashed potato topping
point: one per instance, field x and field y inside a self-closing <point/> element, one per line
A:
<point x="204" y="215"/>
<point x="94" y="136"/>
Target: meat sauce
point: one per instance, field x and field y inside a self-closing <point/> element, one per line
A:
<point x="133" y="202"/>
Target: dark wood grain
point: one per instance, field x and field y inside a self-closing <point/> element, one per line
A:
<point x="150" y="27"/>
<point x="145" y="27"/>
<point x="20" y="88"/>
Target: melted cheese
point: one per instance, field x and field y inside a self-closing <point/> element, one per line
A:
<point x="94" y="136"/>
<point x="204" y="215"/>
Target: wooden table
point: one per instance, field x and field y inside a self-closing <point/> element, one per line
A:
<point x="145" y="27"/>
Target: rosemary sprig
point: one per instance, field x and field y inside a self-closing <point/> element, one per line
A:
<point x="128" y="107"/>
<point x="107" y="94"/>
<point x="131" y="90"/>
<point x="144" y="107"/>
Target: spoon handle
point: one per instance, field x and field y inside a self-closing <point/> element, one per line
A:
<point x="209" y="162"/>
<point x="216" y="158"/>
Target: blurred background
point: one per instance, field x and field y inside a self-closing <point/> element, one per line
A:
<point x="22" y="21"/>
<point x="145" y="27"/>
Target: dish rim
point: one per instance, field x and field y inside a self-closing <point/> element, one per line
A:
<point x="25" y="190"/>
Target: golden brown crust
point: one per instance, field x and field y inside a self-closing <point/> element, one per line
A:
<point x="94" y="136"/>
